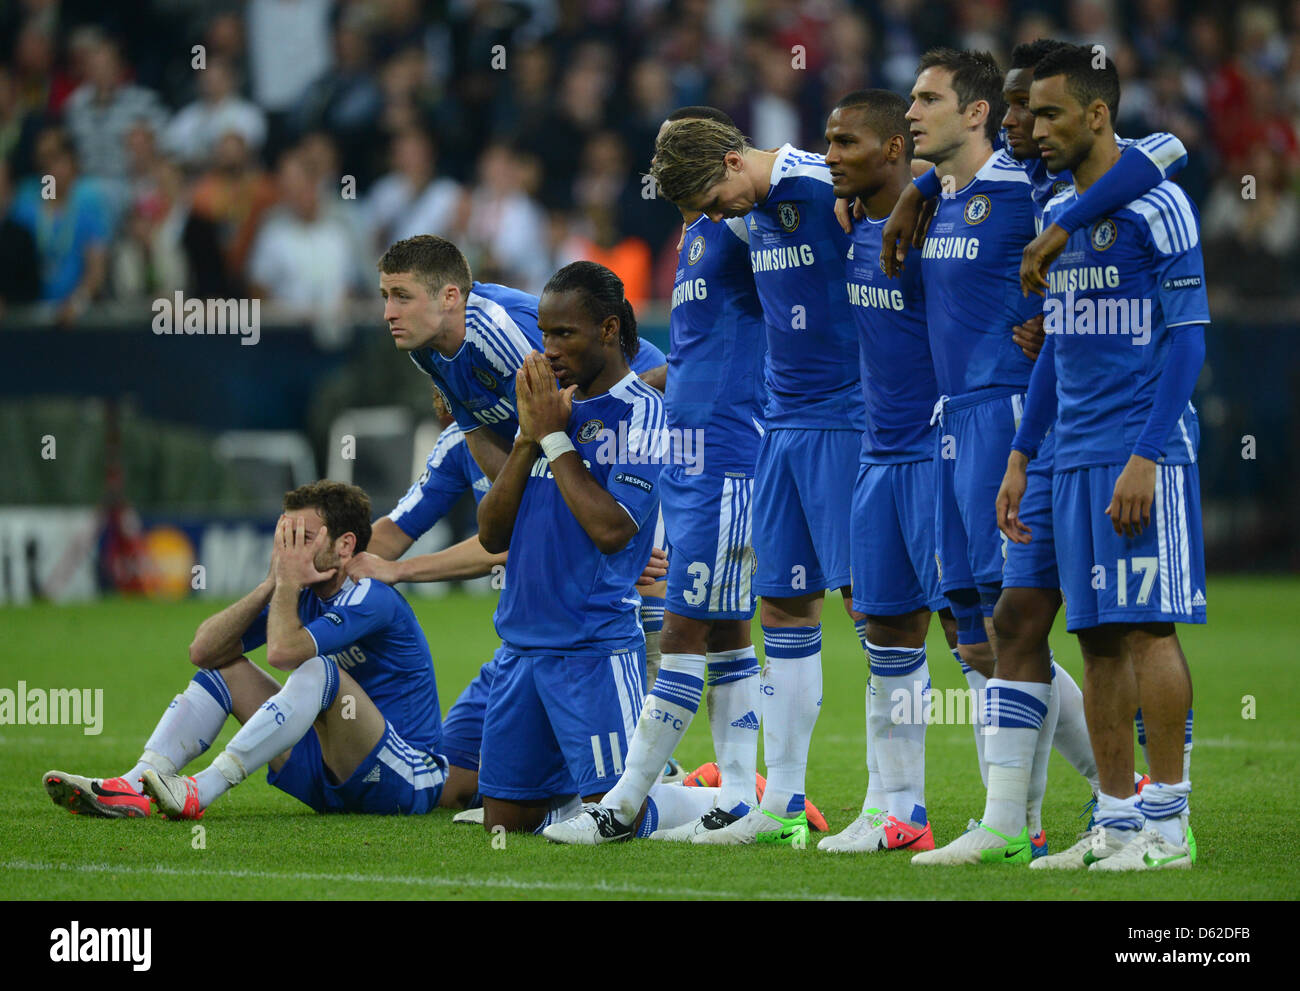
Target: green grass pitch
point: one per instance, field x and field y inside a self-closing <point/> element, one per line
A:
<point x="260" y="844"/>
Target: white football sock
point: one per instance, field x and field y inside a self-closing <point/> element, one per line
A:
<point x="1016" y="710"/>
<point x="282" y="721"/>
<point x="668" y="710"/>
<point x="877" y="798"/>
<point x="977" y="683"/>
<point x="1071" y="737"/>
<point x="188" y="727"/>
<point x="1120" y="816"/>
<point x="1163" y="806"/>
<point x="673" y="805"/>
<point x="563" y="807"/>
<point x="1042" y="758"/>
<point x="902" y="681"/>
<point x="734" y="706"/>
<point x="792" y="683"/>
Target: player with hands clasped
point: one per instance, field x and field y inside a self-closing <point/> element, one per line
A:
<point x="571" y="504"/>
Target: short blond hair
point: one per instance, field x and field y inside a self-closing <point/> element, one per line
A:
<point x="689" y="156"/>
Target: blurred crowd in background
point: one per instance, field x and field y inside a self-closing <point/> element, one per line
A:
<point x="317" y="132"/>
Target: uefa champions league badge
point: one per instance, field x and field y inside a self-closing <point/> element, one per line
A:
<point x="696" y="250"/>
<point x="1103" y="234"/>
<point x="978" y="209"/>
<point x="589" y="431"/>
<point x="485" y="377"/>
<point x="788" y="215"/>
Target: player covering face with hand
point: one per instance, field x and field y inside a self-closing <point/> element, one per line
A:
<point x="356" y="726"/>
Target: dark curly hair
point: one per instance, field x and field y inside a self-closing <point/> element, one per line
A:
<point x="344" y="508"/>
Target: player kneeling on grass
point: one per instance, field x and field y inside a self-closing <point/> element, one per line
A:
<point x="572" y="505"/>
<point x="354" y="727"/>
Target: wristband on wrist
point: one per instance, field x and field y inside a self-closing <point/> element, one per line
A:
<point x="555" y="444"/>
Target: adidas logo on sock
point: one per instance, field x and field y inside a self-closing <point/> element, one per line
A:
<point x="372" y="776"/>
<point x="747" y="721"/>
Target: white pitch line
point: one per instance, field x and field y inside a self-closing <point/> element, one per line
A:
<point x="434" y="882"/>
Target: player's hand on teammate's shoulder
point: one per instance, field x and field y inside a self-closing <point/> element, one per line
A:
<point x="1029" y="336"/>
<point x="923" y="223"/>
<point x="1135" y="491"/>
<point x="656" y="568"/>
<point x="1010" y="493"/>
<point x="367" y="565"/>
<point x="900" y="230"/>
<point x="844" y="213"/>
<point x="1038" y="257"/>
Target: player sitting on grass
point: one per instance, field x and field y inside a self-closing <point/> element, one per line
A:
<point x="353" y="729"/>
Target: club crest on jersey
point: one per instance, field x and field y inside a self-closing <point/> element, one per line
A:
<point x="1060" y="186"/>
<point x="978" y="209"/>
<point x="589" y="431"/>
<point x="485" y="377"/>
<point x="788" y="215"/>
<point x="1103" y="234"/>
<point x="696" y="250"/>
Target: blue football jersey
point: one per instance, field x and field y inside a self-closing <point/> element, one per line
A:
<point x="715" y="371"/>
<point x="369" y="631"/>
<point x="970" y="264"/>
<point x="894" y="352"/>
<point x="562" y="595"/>
<point x="647" y="357"/>
<point x="448" y="471"/>
<point x="479" y="380"/>
<point x="796" y="249"/>
<point x="1114" y="295"/>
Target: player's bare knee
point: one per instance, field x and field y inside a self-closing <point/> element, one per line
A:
<point x="802" y="610"/>
<point x="729" y="634"/>
<point x="905" y="630"/>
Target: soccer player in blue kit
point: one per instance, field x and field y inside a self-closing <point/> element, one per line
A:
<point x="449" y="472"/>
<point x="471" y="339"/>
<point x="1030" y="594"/>
<point x="355" y="727"/>
<point x="717" y="335"/>
<point x="1125" y="315"/>
<point x="814" y="418"/>
<point x="895" y="578"/>
<point x="571" y="504"/>
<point x="969" y="265"/>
